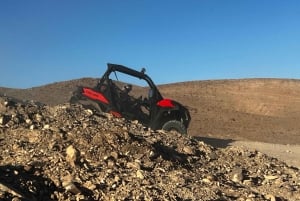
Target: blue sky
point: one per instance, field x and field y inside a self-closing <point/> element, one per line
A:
<point x="46" y="41"/>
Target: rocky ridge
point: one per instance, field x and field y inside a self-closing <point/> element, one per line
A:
<point x="66" y="152"/>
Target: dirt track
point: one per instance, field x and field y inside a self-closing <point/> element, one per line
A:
<point x="288" y="153"/>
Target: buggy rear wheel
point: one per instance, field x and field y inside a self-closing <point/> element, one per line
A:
<point x="175" y="125"/>
<point x="86" y="103"/>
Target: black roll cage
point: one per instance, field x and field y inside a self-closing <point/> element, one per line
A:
<point x="141" y="75"/>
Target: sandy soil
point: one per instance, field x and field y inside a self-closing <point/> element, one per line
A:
<point x="287" y="153"/>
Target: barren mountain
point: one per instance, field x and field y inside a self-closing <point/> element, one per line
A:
<point x="265" y="110"/>
<point x="63" y="152"/>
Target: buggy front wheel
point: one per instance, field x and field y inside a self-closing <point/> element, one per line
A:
<point x="175" y="125"/>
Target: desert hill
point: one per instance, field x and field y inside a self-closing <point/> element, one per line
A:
<point x="265" y="110"/>
<point x="64" y="152"/>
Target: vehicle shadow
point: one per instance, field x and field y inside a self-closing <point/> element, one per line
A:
<point x="215" y="142"/>
<point x="25" y="183"/>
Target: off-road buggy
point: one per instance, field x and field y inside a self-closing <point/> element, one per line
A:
<point x="143" y="103"/>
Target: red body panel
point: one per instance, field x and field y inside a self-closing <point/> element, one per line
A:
<point x="94" y="95"/>
<point x="166" y="103"/>
<point x="116" y="114"/>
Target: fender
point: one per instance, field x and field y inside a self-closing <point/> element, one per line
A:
<point x="169" y="109"/>
<point x="166" y="103"/>
<point x="90" y="93"/>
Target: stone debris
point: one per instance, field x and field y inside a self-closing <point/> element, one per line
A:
<point x="72" y="155"/>
<point x="237" y="175"/>
<point x="67" y="153"/>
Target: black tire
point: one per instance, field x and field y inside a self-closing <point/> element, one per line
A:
<point x="176" y="126"/>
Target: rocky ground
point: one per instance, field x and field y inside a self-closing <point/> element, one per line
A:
<point x="65" y="152"/>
